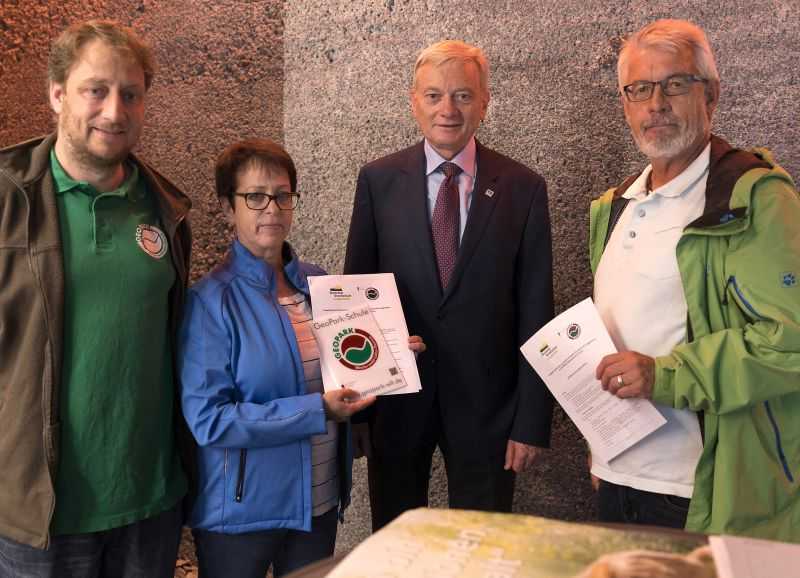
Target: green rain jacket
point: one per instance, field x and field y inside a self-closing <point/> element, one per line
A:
<point x="740" y="365"/>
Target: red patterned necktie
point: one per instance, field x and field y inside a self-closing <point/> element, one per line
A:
<point x="445" y="222"/>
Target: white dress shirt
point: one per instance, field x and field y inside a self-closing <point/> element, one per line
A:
<point x="465" y="159"/>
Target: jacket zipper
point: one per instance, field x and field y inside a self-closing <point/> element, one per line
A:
<point x="732" y="282"/>
<point x="240" y="477"/>
<point x="781" y="455"/>
<point x="773" y="422"/>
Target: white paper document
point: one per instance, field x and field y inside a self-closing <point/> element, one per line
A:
<point x="565" y="354"/>
<point x="353" y="351"/>
<point x="738" y="557"/>
<point x="334" y="294"/>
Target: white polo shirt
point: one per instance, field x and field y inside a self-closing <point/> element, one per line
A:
<point x="639" y="294"/>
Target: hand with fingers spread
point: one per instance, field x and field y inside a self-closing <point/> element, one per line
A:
<point x="627" y="374"/>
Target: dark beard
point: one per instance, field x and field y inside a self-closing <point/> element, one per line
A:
<point x="86" y="158"/>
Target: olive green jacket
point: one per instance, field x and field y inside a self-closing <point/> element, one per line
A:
<point x="740" y="268"/>
<point x="31" y="331"/>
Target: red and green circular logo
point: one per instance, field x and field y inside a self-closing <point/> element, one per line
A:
<point x="355" y="349"/>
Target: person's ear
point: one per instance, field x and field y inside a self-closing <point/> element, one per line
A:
<point x="227" y="209"/>
<point x="56" y="92"/>
<point x="712" y="97"/>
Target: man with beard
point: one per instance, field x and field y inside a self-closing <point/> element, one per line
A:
<point x="94" y="252"/>
<point x="696" y="264"/>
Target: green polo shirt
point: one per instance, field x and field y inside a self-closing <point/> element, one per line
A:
<point x="118" y="461"/>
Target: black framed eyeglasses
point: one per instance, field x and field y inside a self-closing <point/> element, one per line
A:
<point x="674" y="85"/>
<point x="260" y="201"/>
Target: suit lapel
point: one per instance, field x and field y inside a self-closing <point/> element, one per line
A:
<point x="484" y="199"/>
<point x="415" y="212"/>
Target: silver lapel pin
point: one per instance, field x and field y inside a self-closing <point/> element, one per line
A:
<point x="489" y="193"/>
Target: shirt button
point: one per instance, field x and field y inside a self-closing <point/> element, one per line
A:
<point x="632" y="234"/>
<point x="642" y="212"/>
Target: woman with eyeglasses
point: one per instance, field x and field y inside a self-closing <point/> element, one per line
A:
<point x="274" y="455"/>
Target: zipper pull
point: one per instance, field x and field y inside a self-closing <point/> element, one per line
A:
<point x="725" y="291"/>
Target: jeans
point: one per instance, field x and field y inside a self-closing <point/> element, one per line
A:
<point x="250" y="555"/>
<point x="624" y="505"/>
<point x="144" y="549"/>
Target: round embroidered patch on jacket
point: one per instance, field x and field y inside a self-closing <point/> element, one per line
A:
<point x="152" y="240"/>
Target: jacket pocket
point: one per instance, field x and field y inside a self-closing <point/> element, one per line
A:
<point x="778" y="444"/>
<point x="739" y="298"/>
<point x="751" y="312"/>
<point x="237" y="497"/>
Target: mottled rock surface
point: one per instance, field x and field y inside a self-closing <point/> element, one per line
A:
<point x="330" y="80"/>
<point x="554" y="107"/>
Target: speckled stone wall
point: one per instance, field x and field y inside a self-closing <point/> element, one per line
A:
<point x="330" y="79"/>
<point x="554" y="107"/>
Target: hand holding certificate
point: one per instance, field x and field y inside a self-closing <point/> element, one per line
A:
<point x="336" y="294"/>
<point x="353" y="350"/>
<point x="565" y="353"/>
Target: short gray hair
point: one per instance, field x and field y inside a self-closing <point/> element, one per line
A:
<point x="672" y="36"/>
<point x="446" y="50"/>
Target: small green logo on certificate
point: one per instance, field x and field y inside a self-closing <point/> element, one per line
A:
<point x="573" y="331"/>
<point x="355" y="348"/>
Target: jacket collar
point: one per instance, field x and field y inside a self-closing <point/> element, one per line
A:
<point x="27" y="161"/>
<point x="173" y="204"/>
<point x="465" y="159"/>
<point x="261" y="273"/>
<point x="726" y="166"/>
<point x="485" y="195"/>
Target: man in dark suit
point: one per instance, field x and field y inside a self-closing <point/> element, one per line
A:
<point x="466" y="232"/>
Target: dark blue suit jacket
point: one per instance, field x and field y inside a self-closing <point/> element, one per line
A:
<point x="499" y="295"/>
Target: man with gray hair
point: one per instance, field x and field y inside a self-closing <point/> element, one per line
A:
<point x="466" y="233"/>
<point x="695" y="263"/>
<point x="94" y="257"/>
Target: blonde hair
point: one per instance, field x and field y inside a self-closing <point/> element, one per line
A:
<point x="446" y="50"/>
<point x="672" y="36"/>
<point x="66" y="48"/>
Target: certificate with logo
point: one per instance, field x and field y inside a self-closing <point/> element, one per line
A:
<point x="565" y="354"/>
<point x="335" y="294"/>
<point x="354" y="353"/>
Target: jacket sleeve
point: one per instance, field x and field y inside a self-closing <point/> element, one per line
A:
<point x="208" y="391"/>
<point x="759" y="359"/>
<point x="361" y="256"/>
<point x="534" y="294"/>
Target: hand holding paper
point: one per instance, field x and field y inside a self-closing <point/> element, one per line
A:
<point x="565" y="353"/>
<point x="335" y="294"/>
<point x="340" y="404"/>
<point x="353" y="351"/>
<point x="627" y="374"/>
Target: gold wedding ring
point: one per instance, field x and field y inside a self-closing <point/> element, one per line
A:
<point x="620" y="382"/>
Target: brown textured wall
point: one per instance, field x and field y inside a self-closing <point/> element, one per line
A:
<point x="335" y="75"/>
<point x="220" y="78"/>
